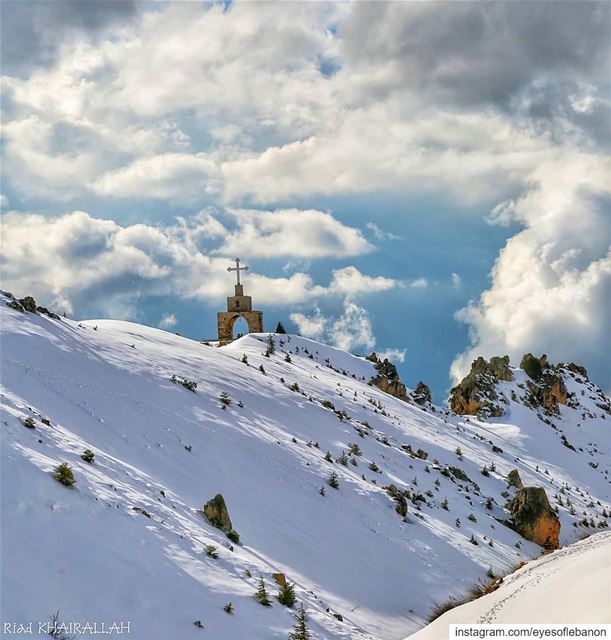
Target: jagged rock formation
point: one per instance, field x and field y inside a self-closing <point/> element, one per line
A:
<point x="422" y="393"/>
<point x="217" y="513"/>
<point x="514" y="480"/>
<point x="387" y="379"/>
<point x="546" y="385"/>
<point x="476" y="393"/>
<point x="27" y="304"/>
<point x="399" y="498"/>
<point x="533" y="518"/>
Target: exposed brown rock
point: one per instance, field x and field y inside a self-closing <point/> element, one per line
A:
<point x="514" y="480"/>
<point x="28" y="303"/>
<point x="548" y="392"/>
<point x="388" y="379"/>
<point x="476" y="393"/>
<point x="422" y="393"/>
<point x="217" y="514"/>
<point x="533" y="518"/>
<point x="280" y="578"/>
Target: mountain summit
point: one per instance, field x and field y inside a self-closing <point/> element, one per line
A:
<point x="193" y="477"/>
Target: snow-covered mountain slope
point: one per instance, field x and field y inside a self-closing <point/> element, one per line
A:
<point x="570" y="585"/>
<point x="127" y="540"/>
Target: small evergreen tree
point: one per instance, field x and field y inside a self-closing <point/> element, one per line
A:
<point x="472" y="517"/>
<point x="444" y="505"/>
<point x="332" y="481"/>
<point x="286" y="595"/>
<point x="211" y="551"/>
<point x="458" y="453"/>
<point x="228" y="608"/>
<point x="271" y="346"/>
<point x="261" y="594"/>
<point x="63" y="473"/>
<point x="300" y="630"/>
<point x="343" y="459"/>
<point x="287" y="357"/>
<point x="225" y="399"/>
<point x="489" y="503"/>
<point x="244" y="359"/>
<point x="458" y="523"/>
<point x="354" y="448"/>
<point x="262" y="369"/>
<point x="322" y="491"/>
<point x="472" y="540"/>
<point x="328" y="457"/>
<point x="373" y="466"/>
<point x="280" y="328"/>
<point x="485" y="471"/>
<point x="88" y="455"/>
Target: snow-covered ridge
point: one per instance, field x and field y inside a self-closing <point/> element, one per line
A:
<point x="107" y="386"/>
<point x="569" y="586"/>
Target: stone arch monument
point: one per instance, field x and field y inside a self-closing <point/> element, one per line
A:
<point x="238" y="306"/>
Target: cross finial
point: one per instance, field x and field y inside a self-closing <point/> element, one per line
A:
<point x="237" y="268"/>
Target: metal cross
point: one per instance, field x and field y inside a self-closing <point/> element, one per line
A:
<point x="237" y="268"/>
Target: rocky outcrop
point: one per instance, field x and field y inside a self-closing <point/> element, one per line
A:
<point x="514" y="480"/>
<point x="399" y="498"/>
<point x="476" y="393"/>
<point x="28" y="303"/>
<point x="533" y="367"/>
<point x="217" y="514"/>
<point x="533" y="518"/>
<point x="387" y="378"/>
<point x="422" y="393"/>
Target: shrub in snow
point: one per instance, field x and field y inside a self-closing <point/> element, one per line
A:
<point x="261" y="594"/>
<point x="354" y="449"/>
<point x="373" y="467"/>
<point x="211" y="551"/>
<point x="88" y="455"/>
<point x="332" y="481"/>
<point x="191" y="385"/>
<point x="286" y="595"/>
<point x="228" y="608"/>
<point x="63" y="473"/>
<point x="225" y="399"/>
<point x="29" y="422"/>
<point x="234" y="536"/>
<point x="57" y="629"/>
<point x="300" y="630"/>
<point x="199" y="624"/>
<point x="327" y="404"/>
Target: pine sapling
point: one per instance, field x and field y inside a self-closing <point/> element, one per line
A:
<point x="261" y="594"/>
<point x="286" y="595"/>
<point x="300" y="630"/>
<point x="333" y="481"/>
<point x="88" y="455"/>
<point x="63" y="474"/>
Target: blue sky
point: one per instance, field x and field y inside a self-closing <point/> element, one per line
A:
<point x="425" y="179"/>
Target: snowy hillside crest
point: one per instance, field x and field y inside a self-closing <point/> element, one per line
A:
<point x="371" y="507"/>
